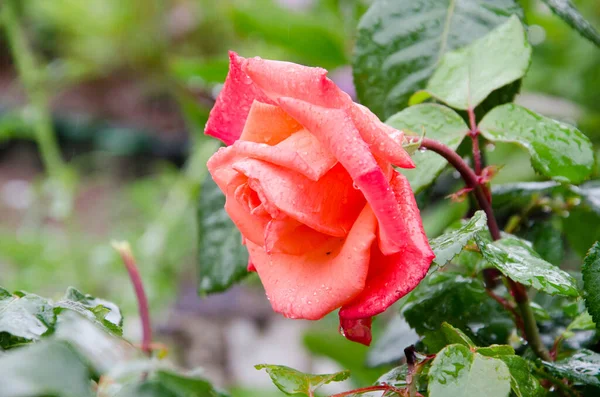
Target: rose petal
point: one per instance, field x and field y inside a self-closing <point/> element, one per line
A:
<point x="329" y="205"/>
<point x="268" y="124"/>
<point x="336" y="131"/>
<point x="301" y="152"/>
<point x="383" y="140"/>
<point x="238" y="206"/>
<point x="311" y="285"/>
<point x="228" y="116"/>
<point x="289" y="236"/>
<point x="285" y="79"/>
<point x="357" y="330"/>
<point x="391" y="277"/>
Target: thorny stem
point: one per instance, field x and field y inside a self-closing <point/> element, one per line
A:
<point x="518" y="291"/>
<point x="124" y="250"/>
<point x="474" y="134"/>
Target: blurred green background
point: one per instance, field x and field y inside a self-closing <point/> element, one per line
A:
<point x="124" y="88"/>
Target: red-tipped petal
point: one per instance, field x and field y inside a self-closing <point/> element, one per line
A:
<point x="336" y="131"/>
<point x="384" y="141"/>
<point x="228" y="116"/>
<point x="393" y="276"/>
<point x="284" y="79"/>
<point x="358" y="330"/>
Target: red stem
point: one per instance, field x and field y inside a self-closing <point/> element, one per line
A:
<point x="470" y="179"/>
<point x="385" y="388"/>
<point x="129" y="261"/>
<point x="518" y="291"/>
<point x="474" y="134"/>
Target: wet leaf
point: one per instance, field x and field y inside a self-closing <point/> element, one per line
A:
<point x="465" y="77"/>
<point x="582" y="367"/>
<point x="591" y="282"/>
<point x="47" y="368"/>
<point x="449" y="244"/>
<point x="522" y="381"/>
<point x="291" y="381"/>
<point x="460" y="301"/>
<point x="439" y="123"/>
<point x="516" y="259"/>
<point x="557" y="150"/>
<point x="399" y="44"/>
<point x="222" y="258"/>
<point x="571" y="15"/>
<point x="456" y="371"/>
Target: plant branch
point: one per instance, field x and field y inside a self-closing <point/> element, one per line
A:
<point x="34" y="84"/>
<point x="470" y="179"/>
<point x="384" y="387"/>
<point x="517" y="290"/>
<point x="124" y="250"/>
<point x="474" y="134"/>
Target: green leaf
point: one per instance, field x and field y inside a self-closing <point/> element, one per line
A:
<point x="495" y="350"/>
<point x="515" y="196"/>
<point x="557" y="150"/>
<point x="223" y="259"/>
<point x="516" y="259"/>
<point x="582" y="367"/>
<point x="291" y="381"/>
<point x="591" y="281"/>
<point x="456" y="371"/>
<point x="25" y="315"/>
<point x="440" y="123"/>
<point x="583" y="322"/>
<point x="99" y="310"/>
<point x="400" y="43"/>
<point x="460" y="301"/>
<point x="465" y="77"/>
<point x="44" y="369"/>
<point x="446" y="335"/>
<point x="449" y="244"/>
<point x="522" y="382"/>
<point x="185" y="386"/>
<point x="570" y="14"/>
<point x="315" y="37"/>
<point x="395" y="377"/>
<point x="547" y="241"/>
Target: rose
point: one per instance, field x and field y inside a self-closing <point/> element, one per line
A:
<point x="308" y="179"/>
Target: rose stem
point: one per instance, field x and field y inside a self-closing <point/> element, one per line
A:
<point x="490" y="275"/>
<point x="384" y="387"/>
<point x="124" y="250"/>
<point x="474" y="134"/>
<point x="518" y="291"/>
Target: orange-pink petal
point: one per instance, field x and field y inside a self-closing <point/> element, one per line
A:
<point x="336" y="131"/>
<point x="311" y="285"/>
<point x="268" y="124"/>
<point x="329" y="205"/>
<point x="393" y="276"/>
<point x="300" y="152"/>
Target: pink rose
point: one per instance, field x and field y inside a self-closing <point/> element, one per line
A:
<point x="308" y="179"/>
